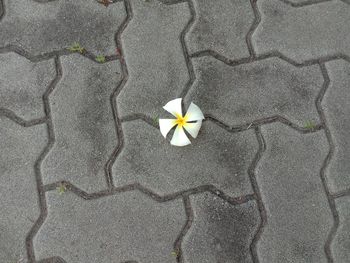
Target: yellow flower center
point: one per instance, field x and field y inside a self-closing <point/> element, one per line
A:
<point x="181" y="121"/>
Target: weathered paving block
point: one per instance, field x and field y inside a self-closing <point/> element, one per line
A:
<point x="341" y="242"/>
<point x="54" y="25"/>
<point x="85" y="133"/>
<point x="222" y="26"/>
<point x="220" y="231"/>
<point x="118" y="228"/>
<point x="241" y="94"/>
<point x="337" y="110"/>
<point x="325" y="30"/>
<point x="216" y="157"/>
<point x="298" y="215"/>
<point x="154" y="55"/>
<point x="20" y="148"/>
<point x="23" y="83"/>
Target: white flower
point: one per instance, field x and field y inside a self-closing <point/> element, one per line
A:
<point x="191" y="122"/>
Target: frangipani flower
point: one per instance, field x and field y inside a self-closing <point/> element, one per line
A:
<point x="191" y="122"/>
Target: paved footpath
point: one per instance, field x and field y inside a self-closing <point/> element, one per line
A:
<point x="86" y="176"/>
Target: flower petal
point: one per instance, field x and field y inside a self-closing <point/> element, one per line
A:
<point x="180" y="137"/>
<point x="194" y="113"/>
<point x="174" y="107"/>
<point x="166" y="125"/>
<point x="193" y="128"/>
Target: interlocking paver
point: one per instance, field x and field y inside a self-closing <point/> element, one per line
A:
<point x="23" y="84"/>
<point x="54" y="25"/>
<point x="341" y="242"/>
<point x="298" y="214"/>
<point x="154" y="55"/>
<point x="20" y="148"/>
<point x="216" y="157"/>
<point x="220" y="231"/>
<point x="125" y="226"/>
<point x="303" y="33"/>
<point x="85" y="132"/>
<point x="222" y="26"/>
<point x="337" y="110"/>
<point x="241" y="94"/>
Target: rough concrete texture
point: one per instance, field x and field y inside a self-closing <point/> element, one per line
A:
<point x="221" y="26"/>
<point x="220" y="232"/>
<point x="23" y="95"/>
<point x="154" y="55"/>
<point x="45" y="26"/>
<point x="127" y="226"/>
<point x="216" y="158"/>
<point x="82" y="116"/>
<point x="85" y="175"/>
<point x="337" y="109"/>
<point x="288" y="176"/>
<point x="20" y="149"/>
<point x="325" y="31"/>
<point x="244" y="93"/>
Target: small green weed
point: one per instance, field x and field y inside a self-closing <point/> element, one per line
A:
<point x="156" y="120"/>
<point x="309" y="125"/>
<point x="175" y="253"/>
<point x="76" y="47"/>
<point x="101" y="59"/>
<point x="61" y="189"/>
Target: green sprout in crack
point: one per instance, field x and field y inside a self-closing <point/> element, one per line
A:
<point x="175" y="253"/>
<point x="61" y="189"/>
<point x="76" y="47"/>
<point x="156" y="120"/>
<point x="309" y="125"/>
<point x="101" y="59"/>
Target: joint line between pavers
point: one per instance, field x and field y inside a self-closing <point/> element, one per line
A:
<point x="185" y="229"/>
<point x="238" y="200"/>
<point x="272" y="54"/>
<point x="326" y="163"/>
<point x="2" y="10"/>
<point x="39" y="180"/>
<point x="306" y="3"/>
<point x="255" y="24"/>
<point x="255" y="186"/>
<point x="52" y="54"/>
<point x="24" y="123"/>
<point x="341" y="194"/>
<point x="231" y="129"/>
<point x="125" y="76"/>
<point x="186" y="54"/>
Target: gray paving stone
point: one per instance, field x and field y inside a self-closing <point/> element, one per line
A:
<point x="222" y="26"/>
<point x="216" y="157"/>
<point x="337" y="110"/>
<point x="125" y="226"/>
<point x="54" y="25"/>
<point x="298" y="215"/>
<point x="220" y="231"/>
<point x="325" y="30"/>
<point x="154" y="55"/>
<point x="20" y="148"/>
<point x="23" y="83"/>
<point x="341" y="242"/>
<point x="83" y="123"/>
<point x="244" y="93"/>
